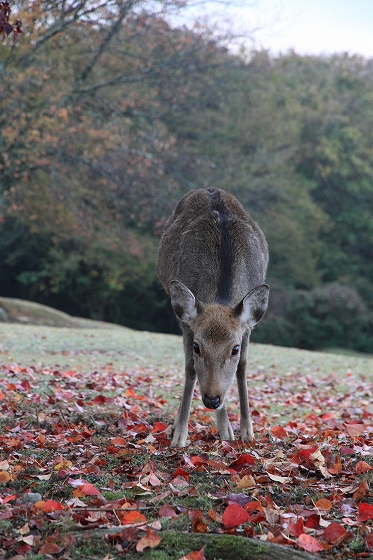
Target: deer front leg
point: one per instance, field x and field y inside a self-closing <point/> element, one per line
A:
<point x="181" y="423"/>
<point x="246" y="426"/>
<point x="224" y="426"/>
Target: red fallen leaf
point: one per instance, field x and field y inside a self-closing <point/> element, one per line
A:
<point x="365" y="512"/>
<point x="88" y="489"/>
<point x="369" y="541"/>
<point x="133" y="517"/>
<point x="254" y="506"/>
<point x="361" y="492"/>
<point x="355" y="430"/>
<point x="335" y="534"/>
<point x="180" y="472"/>
<point x="309" y="543"/>
<point x="119" y="441"/>
<point x="346" y="450"/>
<point x="234" y="515"/>
<point x="297" y="528"/>
<point x="100" y="399"/>
<point x="167" y="511"/>
<point x="197" y="555"/>
<point x="242" y="461"/>
<point x="26" y="385"/>
<point x="131" y="393"/>
<point x="313" y="522"/>
<point x="279" y="432"/>
<point x="159" y="427"/>
<point x="7" y="499"/>
<point x="304" y="456"/>
<point x="50" y="548"/>
<point x="48" y="506"/>
<point x="362" y="467"/>
<point x="327" y="416"/>
<point x="323" y="504"/>
<point x="151" y="540"/>
<point x="197" y="460"/>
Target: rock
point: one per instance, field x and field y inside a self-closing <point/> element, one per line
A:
<point x="31" y="497"/>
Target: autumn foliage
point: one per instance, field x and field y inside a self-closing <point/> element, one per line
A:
<point x="94" y="447"/>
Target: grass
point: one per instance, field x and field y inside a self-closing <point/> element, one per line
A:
<point x="125" y="348"/>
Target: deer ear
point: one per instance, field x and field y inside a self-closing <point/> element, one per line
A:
<point x="184" y="303"/>
<point x="253" y="306"/>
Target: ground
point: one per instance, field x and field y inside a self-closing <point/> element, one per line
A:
<point x="86" y="469"/>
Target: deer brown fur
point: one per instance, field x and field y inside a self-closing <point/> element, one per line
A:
<point x="212" y="261"/>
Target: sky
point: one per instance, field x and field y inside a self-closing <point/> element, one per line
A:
<point x="312" y="26"/>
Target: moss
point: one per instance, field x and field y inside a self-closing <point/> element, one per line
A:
<point x="223" y="547"/>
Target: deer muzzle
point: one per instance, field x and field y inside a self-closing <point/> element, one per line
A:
<point x="211" y="402"/>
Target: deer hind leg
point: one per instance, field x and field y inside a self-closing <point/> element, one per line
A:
<point x="181" y="423"/>
<point x="246" y="427"/>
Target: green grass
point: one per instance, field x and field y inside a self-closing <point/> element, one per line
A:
<point x="124" y="348"/>
<point x="75" y="343"/>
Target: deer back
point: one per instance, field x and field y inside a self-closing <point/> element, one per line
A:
<point x="211" y="245"/>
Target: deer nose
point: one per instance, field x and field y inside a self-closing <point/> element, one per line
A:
<point x="209" y="402"/>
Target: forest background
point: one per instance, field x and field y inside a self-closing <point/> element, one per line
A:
<point x="111" y="111"/>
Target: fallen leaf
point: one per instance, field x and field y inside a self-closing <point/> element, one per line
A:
<point x="29" y="539"/>
<point x="48" y="506"/>
<point x="355" y="430"/>
<point x="297" y="528"/>
<point x="335" y="534"/>
<point x="279" y="432"/>
<point x="88" y="489"/>
<point x="246" y="481"/>
<point x="197" y="555"/>
<point x="24" y="530"/>
<point x="198" y="523"/>
<point x="50" y="547"/>
<point x="362" y="467"/>
<point x="365" y="512"/>
<point x="369" y="541"/>
<point x="323" y="504"/>
<point x="133" y="517"/>
<point x="167" y="511"/>
<point x="234" y="515"/>
<point x="361" y="491"/>
<point x="309" y="543"/>
<point x="151" y="540"/>
<point x="4" y="477"/>
<point x="280" y="479"/>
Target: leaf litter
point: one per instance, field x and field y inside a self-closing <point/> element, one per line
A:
<point x="94" y="448"/>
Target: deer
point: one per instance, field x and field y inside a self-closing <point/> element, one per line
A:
<point x="212" y="261"/>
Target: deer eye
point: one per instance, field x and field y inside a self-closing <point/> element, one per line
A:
<point x="196" y="348"/>
<point x="235" y="350"/>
